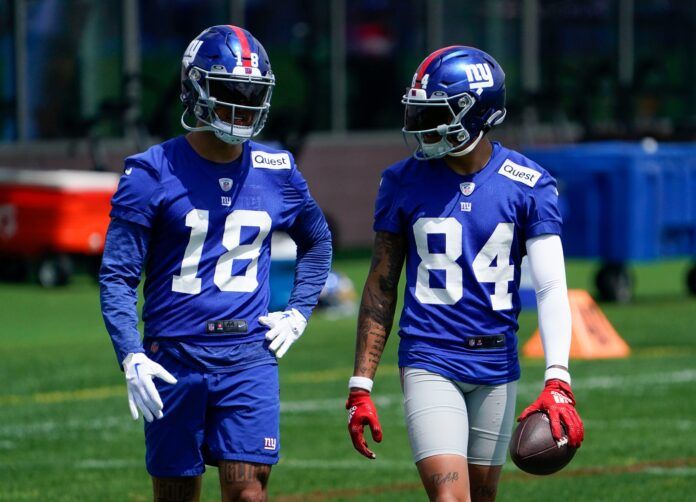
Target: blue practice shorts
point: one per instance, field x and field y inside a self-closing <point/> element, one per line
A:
<point x="212" y="416"/>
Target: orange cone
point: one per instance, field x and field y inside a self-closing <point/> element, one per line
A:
<point x="593" y="336"/>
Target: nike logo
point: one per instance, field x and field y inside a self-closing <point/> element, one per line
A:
<point x="128" y="171"/>
<point x="136" y="369"/>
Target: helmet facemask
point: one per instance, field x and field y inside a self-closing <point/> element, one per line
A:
<point x="232" y="106"/>
<point x="434" y="124"/>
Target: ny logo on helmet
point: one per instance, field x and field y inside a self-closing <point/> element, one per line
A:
<point x="479" y="76"/>
<point x="191" y="51"/>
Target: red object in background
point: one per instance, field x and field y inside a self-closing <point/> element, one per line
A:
<point x="50" y="212"/>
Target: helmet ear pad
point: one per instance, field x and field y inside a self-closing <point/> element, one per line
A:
<point x="467" y="114"/>
<point x="479" y="117"/>
<point x="192" y="105"/>
<point x="188" y="95"/>
<point x="482" y="119"/>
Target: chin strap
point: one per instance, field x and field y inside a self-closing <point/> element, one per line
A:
<point x="225" y="137"/>
<point x="469" y="148"/>
<point x="495" y="119"/>
<point x="192" y="128"/>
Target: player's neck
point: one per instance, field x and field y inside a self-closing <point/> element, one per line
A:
<point x="473" y="161"/>
<point x="210" y="148"/>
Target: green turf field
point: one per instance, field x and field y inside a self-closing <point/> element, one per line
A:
<point x="66" y="433"/>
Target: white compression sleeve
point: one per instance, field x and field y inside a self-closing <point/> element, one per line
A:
<point x="547" y="268"/>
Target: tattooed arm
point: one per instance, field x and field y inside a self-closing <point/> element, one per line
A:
<point x="374" y="324"/>
<point x="378" y="302"/>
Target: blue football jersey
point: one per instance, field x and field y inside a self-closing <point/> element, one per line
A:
<point x="466" y="238"/>
<point x="210" y="231"/>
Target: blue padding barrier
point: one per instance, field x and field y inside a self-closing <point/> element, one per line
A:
<point x="625" y="201"/>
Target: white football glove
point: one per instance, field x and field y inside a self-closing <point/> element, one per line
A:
<point x="286" y="328"/>
<point x="142" y="392"/>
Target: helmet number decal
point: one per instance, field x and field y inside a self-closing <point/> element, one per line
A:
<point x="254" y="57"/>
<point x="423" y="81"/>
<point x="191" y="51"/>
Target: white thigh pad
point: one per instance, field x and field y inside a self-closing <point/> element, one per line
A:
<point x="448" y="417"/>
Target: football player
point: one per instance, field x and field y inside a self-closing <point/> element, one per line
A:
<point x="197" y="213"/>
<point x="461" y="213"/>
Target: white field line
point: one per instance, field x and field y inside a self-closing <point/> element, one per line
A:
<point x="612" y="382"/>
<point x="328" y="464"/>
<point x="51" y="427"/>
<point x="349" y="465"/>
<point x="333" y="404"/>
<point x="113" y="463"/>
<point x="313" y="464"/>
<point x="679" y="424"/>
<point x="325" y="464"/>
<point x="336" y="405"/>
<point x="591" y="383"/>
<point x="107" y="425"/>
<point x="625" y="383"/>
<point x="671" y="471"/>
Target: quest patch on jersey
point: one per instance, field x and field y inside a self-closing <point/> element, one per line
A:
<point x="265" y="160"/>
<point x="519" y="173"/>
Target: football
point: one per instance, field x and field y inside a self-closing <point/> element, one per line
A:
<point x="533" y="448"/>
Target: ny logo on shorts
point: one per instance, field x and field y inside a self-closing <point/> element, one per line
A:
<point x="269" y="443"/>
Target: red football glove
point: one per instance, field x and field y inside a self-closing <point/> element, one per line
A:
<point x="558" y="402"/>
<point x="362" y="412"/>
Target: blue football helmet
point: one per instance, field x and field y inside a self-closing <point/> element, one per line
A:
<point x="226" y="84"/>
<point x="457" y="95"/>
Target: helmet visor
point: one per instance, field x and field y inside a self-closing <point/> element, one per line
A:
<point x="238" y="93"/>
<point x="426" y="117"/>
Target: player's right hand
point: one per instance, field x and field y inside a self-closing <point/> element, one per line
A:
<point x="558" y="402"/>
<point x="362" y="412"/>
<point x="142" y="393"/>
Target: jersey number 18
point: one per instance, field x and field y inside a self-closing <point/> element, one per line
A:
<point x="197" y="219"/>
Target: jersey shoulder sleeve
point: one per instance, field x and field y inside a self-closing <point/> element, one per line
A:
<point x="140" y="193"/>
<point x="280" y="174"/>
<point x="522" y="173"/>
<point x="391" y="197"/>
<point x="272" y="160"/>
<point x="278" y="167"/>
<point x="541" y="213"/>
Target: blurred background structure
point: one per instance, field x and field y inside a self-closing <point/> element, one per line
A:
<point x="83" y="83"/>
<point x="575" y="70"/>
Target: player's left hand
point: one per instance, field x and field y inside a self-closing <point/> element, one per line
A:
<point x="286" y="328"/>
<point x="558" y="402"/>
<point x="142" y="393"/>
<point x="362" y="412"/>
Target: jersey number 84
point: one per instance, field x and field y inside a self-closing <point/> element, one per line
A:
<point x="498" y="246"/>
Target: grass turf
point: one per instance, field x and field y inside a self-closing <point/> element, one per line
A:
<point x="66" y="434"/>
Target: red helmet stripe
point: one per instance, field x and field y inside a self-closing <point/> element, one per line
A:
<point x="426" y="62"/>
<point x="244" y="41"/>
